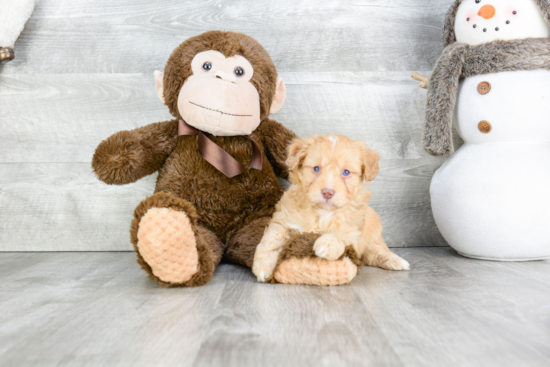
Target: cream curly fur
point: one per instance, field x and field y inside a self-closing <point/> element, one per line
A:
<point x="344" y="219"/>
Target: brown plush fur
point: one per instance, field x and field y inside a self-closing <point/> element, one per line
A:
<point x="128" y="156"/>
<point x="449" y="25"/>
<point x="228" y="215"/>
<point x="242" y="245"/>
<point x="460" y="61"/>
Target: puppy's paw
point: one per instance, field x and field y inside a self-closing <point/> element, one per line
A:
<point x="264" y="264"/>
<point x="394" y="262"/>
<point x="329" y="247"/>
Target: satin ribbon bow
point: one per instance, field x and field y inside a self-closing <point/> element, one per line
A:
<point x="218" y="157"/>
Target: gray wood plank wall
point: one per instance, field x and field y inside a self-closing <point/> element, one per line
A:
<point x="84" y="70"/>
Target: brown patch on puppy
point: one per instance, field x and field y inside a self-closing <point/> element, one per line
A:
<point x="327" y="197"/>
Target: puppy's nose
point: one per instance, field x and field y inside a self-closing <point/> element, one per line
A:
<point x="328" y="193"/>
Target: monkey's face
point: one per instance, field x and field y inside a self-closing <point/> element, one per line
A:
<point x="218" y="97"/>
<point x="223" y="83"/>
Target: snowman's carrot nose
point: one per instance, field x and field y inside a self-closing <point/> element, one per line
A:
<point x="487" y="11"/>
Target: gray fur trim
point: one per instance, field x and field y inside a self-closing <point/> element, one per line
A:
<point x="449" y="25"/>
<point x="459" y="61"/>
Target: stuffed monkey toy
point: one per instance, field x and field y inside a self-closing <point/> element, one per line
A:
<point x="217" y="161"/>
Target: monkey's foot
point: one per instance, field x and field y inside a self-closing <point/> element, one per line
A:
<point x="315" y="271"/>
<point x="166" y="241"/>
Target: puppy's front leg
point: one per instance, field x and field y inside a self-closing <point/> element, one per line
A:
<point x="267" y="252"/>
<point x="329" y="246"/>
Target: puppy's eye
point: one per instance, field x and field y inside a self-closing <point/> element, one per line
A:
<point x="239" y="71"/>
<point x="317" y="169"/>
<point x="346" y="173"/>
<point x="207" y="66"/>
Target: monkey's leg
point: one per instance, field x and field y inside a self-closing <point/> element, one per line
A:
<point x="297" y="263"/>
<point x="170" y="245"/>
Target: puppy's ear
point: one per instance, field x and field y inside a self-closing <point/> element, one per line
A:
<point x="296" y="153"/>
<point x="370" y="162"/>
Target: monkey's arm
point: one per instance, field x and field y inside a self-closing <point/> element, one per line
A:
<point x="277" y="138"/>
<point x="127" y="156"/>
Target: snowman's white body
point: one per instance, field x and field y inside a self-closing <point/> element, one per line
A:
<point x="491" y="198"/>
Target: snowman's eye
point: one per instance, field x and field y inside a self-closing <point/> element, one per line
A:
<point x="478" y="1"/>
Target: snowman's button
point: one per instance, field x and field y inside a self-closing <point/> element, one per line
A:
<point x="485" y="127"/>
<point x="484" y="87"/>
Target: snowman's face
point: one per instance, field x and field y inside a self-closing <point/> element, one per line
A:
<point x="480" y="21"/>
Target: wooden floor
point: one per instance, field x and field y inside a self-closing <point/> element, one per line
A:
<point x="99" y="309"/>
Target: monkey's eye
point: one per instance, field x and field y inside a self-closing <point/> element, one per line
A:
<point x="207" y="66"/>
<point x="478" y="1"/>
<point x="239" y="71"/>
<point x="317" y="169"/>
<point x="346" y="173"/>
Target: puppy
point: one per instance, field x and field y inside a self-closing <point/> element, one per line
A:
<point x="327" y="196"/>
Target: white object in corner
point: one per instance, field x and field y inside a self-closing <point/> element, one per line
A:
<point x="13" y="16"/>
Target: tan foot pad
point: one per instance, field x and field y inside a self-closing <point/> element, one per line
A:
<point x="315" y="271"/>
<point x="166" y="241"/>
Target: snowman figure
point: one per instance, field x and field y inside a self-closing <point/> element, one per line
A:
<point x="491" y="199"/>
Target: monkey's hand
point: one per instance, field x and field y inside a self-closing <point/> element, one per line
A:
<point x="127" y="156"/>
<point x="424" y="80"/>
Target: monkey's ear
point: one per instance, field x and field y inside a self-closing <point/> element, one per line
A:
<point x="279" y="98"/>
<point x="159" y="84"/>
